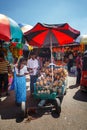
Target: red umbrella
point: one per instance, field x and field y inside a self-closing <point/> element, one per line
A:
<point x="48" y="35"/>
<point x="43" y="34"/>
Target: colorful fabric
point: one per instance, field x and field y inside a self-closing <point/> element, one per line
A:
<point x="20" y="89"/>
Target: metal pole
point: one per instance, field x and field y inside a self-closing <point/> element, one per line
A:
<point x="51" y="53"/>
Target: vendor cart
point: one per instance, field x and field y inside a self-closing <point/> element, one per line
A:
<point x="55" y="97"/>
<point x="52" y="96"/>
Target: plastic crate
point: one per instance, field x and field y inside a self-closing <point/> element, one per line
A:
<point x="52" y="95"/>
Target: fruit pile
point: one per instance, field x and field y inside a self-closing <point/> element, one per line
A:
<point x="51" y="80"/>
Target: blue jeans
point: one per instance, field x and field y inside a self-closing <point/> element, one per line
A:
<point x="33" y="79"/>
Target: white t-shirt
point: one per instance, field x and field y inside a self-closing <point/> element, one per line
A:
<point x="22" y="71"/>
<point x="33" y="64"/>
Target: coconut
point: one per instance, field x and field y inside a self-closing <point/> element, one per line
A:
<point x="42" y="91"/>
<point x="46" y="87"/>
<point x="44" y="81"/>
<point x="37" y="83"/>
<point x="55" y="83"/>
<point x="60" y="83"/>
<point x="48" y="91"/>
<point x="41" y="83"/>
<point x="38" y="91"/>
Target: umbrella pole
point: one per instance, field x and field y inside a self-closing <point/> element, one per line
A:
<point x="62" y="55"/>
<point x="51" y="55"/>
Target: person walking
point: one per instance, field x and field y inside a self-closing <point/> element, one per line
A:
<point x="33" y="66"/>
<point x="70" y="62"/>
<point x="4" y="70"/>
<point x="79" y="67"/>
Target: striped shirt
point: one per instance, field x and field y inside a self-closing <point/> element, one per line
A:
<point x="4" y="67"/>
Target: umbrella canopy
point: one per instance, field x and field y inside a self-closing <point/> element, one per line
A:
<point x="25" y="27"/>
<point x="46" y="34"/>
<point x="49" y="35"/>
<point x="9" y="30"/>
<point x="83" y="39"/>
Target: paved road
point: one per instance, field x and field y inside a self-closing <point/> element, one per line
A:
<point x="73" y="115"/>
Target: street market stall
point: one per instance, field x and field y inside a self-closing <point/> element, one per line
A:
<point x="50" y="35"/>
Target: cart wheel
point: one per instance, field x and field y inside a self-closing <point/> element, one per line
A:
<point x="57" y="105"/>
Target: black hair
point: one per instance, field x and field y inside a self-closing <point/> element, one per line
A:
<point x="20" y="62"/>
<point x="32" y="53"/>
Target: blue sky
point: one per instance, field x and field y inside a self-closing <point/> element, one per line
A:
<point x="30" y="12"/>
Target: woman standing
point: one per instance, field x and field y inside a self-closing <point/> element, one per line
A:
<point x="20" y="82"/>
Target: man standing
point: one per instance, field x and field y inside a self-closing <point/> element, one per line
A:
<point x="33" y="66"/>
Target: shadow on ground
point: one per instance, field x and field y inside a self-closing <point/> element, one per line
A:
<point x="8" y="109"/>
<point x="36" y="112"/>
<point x="80" y="96"/>
<point x="73" y="86"/>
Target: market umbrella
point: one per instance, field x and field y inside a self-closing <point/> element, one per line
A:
<point x="49" y="35"/>
<point x="25" y="27"/>
<point x="9" y="30"/>
<point x="83" y="39"/>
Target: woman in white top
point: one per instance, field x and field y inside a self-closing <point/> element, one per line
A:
<point x="20" y="81"/>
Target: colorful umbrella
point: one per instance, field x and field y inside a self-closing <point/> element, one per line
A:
<point x="83" y="39"/>
<point x="49" y="35"/>
<point x="9" y="30"/>
<point x="25" y="27"/>
<point x="46" y="34"/>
